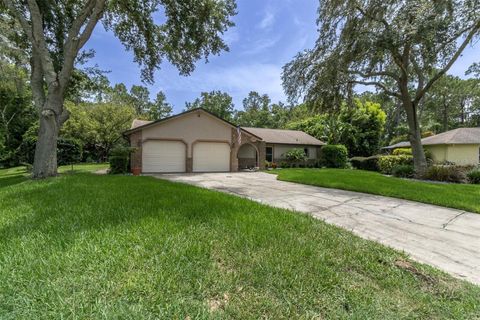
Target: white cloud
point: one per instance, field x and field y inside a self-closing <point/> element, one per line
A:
<point x="268" y="20"/>
<point x="261" y="45"/>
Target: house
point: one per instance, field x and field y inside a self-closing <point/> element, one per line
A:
<point x="460" y="146"/>
<point x="199" y="141"/>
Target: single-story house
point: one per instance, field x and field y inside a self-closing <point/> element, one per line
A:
<point x="199" y="141"/>
<point x="460" y="146"/>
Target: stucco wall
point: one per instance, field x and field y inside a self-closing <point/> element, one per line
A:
<point x="438" y="152"/>
<point x="460" y="154"/>
<point x="279" y="150"/>
<point x="463" y="154"/>
<point x="190" y="127"/>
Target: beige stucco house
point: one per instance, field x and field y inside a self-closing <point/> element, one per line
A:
<point x="199" y="141"/>
<point x="460" y="146"/>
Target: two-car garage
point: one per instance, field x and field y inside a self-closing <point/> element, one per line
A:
<point x="171" y="156"/>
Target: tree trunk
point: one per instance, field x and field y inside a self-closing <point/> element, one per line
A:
<point x="45" y="161"/>
<point x="415" y="137"/>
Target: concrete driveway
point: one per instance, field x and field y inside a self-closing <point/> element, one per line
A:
<point x="448" y="239"/>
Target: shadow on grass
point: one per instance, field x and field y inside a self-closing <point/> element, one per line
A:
<point x="12" y="180"/>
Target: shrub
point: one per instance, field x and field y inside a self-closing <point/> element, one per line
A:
<point x="365" y="163"/>
<point x="402" y="151"/>
<point x="296" y="155"/>
<point x="474" y="176"/>
<point x="68" y="151"/>
<point x="449" y="173"/>
<point x="403" y="171"/>
<point x="284" y="164"/>
<point x="334" y="156"/>
<point x="119" y="160"/>
<point x="387" y="163"/>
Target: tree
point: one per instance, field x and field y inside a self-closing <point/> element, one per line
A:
<point x="55" y="33"/>
<point x="160" y="108"/>
<point x="97" y="126"/>
<point x="259" y="112"/>
<point x="404" y="45"/>
<point x="140" y="99"/>
<point x="217" y="102"/>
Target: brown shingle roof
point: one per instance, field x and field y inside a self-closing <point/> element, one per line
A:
<point x="456" y="136"/>
<point x="284" y="136"/>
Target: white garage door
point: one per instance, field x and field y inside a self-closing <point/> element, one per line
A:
<point x="211" y="157"/>
<point x="163" y="156"/>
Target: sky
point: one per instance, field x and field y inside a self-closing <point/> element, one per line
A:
<point x="266" y="36"/>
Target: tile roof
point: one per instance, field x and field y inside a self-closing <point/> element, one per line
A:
<point x="284" y="136"/>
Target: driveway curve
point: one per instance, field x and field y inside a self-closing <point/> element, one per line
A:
<point x="448" y="239"/>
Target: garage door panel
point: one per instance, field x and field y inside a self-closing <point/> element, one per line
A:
<point x="163" y="156"/>
<point x="211" y="157"/>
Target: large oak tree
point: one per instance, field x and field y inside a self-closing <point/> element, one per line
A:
<point x="181" y="31"/>
<point x="402" y="47"/>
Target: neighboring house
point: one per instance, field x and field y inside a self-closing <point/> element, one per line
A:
<point x="460" y="146"/>
<point x="199" y="141"/>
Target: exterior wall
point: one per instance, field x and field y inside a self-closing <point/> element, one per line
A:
<point x="280" y="150"/>
<point x="136" y="157"/>
<point x="190" y="128"/>
<point x="247" y="156"/>
<point x="460" y="154"/>
<point x="438" y="152"/>
<point x="236" y="158"/>
<point x="463" y="154"/>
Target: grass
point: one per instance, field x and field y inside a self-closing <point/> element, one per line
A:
<point x="459" y="196"/>
<point x="16" y="175"/>
<point x="87" y="246"/>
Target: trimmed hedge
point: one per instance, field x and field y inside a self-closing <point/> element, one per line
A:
<point x="387" y="163"/>
<point x="334" y="156"/>
<point x="365" y="163"/>
<point x="119" y="160"/>
<point x="402" y="151"/>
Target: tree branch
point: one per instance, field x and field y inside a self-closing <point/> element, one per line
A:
<point x="454" y="58"/>
<point x="374" y="74"/>
<point x="40" y="44"/>
<point x="379" y="85"/>
<point x="19" y="16"/>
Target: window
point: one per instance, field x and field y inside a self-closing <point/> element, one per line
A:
<point x="269" y="154"/>
<point x="307" y="152"/>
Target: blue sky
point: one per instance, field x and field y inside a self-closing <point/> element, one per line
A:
<point x="268" y="33"/>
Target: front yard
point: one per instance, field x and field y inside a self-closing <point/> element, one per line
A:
<point x="459" y="196"/>
<point x="88" y="246"/>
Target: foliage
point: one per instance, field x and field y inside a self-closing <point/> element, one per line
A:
<point x="217" y="102"/>
<point x="474" y="176"/>
<point x="359" y="127"/>
<point x="334" y="156"/>
<point x="459" y="196"/>
<point x="402" y="151"/>
<point x="119" y="160"/>
<point x="402" y="48"/>
<point x="68" y="151"/>
<point x="160" y="108"/>
<point x="98" y="126"/>
<point x="403" y="171"/>
<point x="259" y="112"/>
<point x="296" y="155"/>
<point x="404" y="137"/>
<point x="365" y="163"/>
<point x="445" y="173"/>
<point x="387" y="163"/>
<point x="366" y="121"/>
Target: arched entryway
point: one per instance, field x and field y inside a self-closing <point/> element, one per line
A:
<point x="247" y="156"/>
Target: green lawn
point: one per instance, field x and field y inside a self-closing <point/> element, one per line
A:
<point x="86" y="246"/>
<point x="460" y="196"/>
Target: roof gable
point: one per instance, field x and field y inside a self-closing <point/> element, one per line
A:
<point x="456" y="136"/>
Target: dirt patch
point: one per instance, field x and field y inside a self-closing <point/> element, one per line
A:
<point x="218" y="303"/>
<point x="408" y="266"/>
